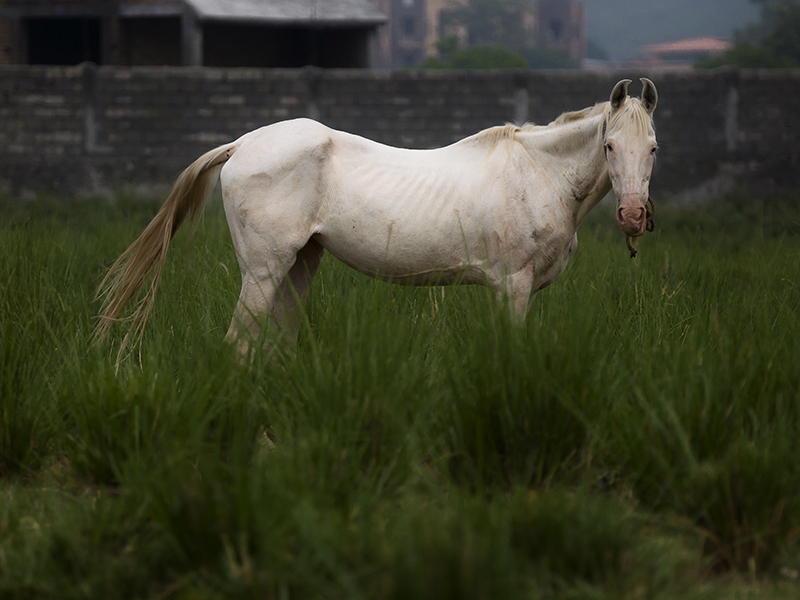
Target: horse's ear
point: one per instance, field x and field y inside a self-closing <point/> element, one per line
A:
<point x="649" y="94"/>
<point x="619" y="94"/>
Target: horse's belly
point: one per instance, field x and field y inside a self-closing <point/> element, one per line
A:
<point x="402" y="256"/>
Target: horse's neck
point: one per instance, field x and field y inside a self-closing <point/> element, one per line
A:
<point x="574" y="158"/>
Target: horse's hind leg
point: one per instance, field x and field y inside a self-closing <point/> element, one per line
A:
<point x="272" y="292"/>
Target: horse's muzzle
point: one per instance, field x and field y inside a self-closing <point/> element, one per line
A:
<point x="632" y="219"/>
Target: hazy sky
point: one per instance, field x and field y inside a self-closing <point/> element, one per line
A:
<point x="621" y="27"/>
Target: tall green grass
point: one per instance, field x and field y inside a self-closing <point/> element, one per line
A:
<point x="635" y="438"/>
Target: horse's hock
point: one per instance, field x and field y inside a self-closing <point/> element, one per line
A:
<point x="88" y="128"/>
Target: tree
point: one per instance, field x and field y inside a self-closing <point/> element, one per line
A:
<point x="784" y="39"/>
<point x="483" y="56"/>
<point x="539" y="58"/>
<point x="774" y="42"/>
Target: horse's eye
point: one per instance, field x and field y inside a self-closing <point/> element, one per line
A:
<point x="609" y="147"/>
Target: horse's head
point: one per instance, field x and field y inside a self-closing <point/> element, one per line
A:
<point x="630" y="148"/>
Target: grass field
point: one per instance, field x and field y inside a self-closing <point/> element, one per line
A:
<point x="637" y="438"/>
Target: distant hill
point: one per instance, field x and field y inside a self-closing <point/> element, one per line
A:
<point x="622" y="27"/>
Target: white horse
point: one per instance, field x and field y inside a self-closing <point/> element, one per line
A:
<point x="500" y="208"/>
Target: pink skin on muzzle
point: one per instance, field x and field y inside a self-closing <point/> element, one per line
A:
<point x="631" y="218"/>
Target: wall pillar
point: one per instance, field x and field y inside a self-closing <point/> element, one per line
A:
<point x="91" y="133"/>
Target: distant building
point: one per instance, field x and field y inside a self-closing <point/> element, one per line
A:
<point x="403" y="41"/>
<point x="253" y="33"/>
<point x="416" y="25"/>
<point x="682" y="54"/>
<point x="412" y="30"/>
<point x="562" y="28"/>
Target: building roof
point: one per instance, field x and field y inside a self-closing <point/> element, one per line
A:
<point x="704" y="45"/>
<point x="131" y="8"/>
<point x="288" y="12"/>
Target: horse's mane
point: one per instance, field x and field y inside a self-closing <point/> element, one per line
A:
<point x="579" y="115"/>
<point x="495" y="135"/>
<point x="633" y="111"/>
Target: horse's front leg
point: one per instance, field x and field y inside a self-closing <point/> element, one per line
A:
<point x="515" y="291"/>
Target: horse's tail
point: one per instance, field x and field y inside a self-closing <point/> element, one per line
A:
<point x="147" y="254"/>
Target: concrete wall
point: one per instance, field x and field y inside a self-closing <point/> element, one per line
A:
<point x="78" y="128"/>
